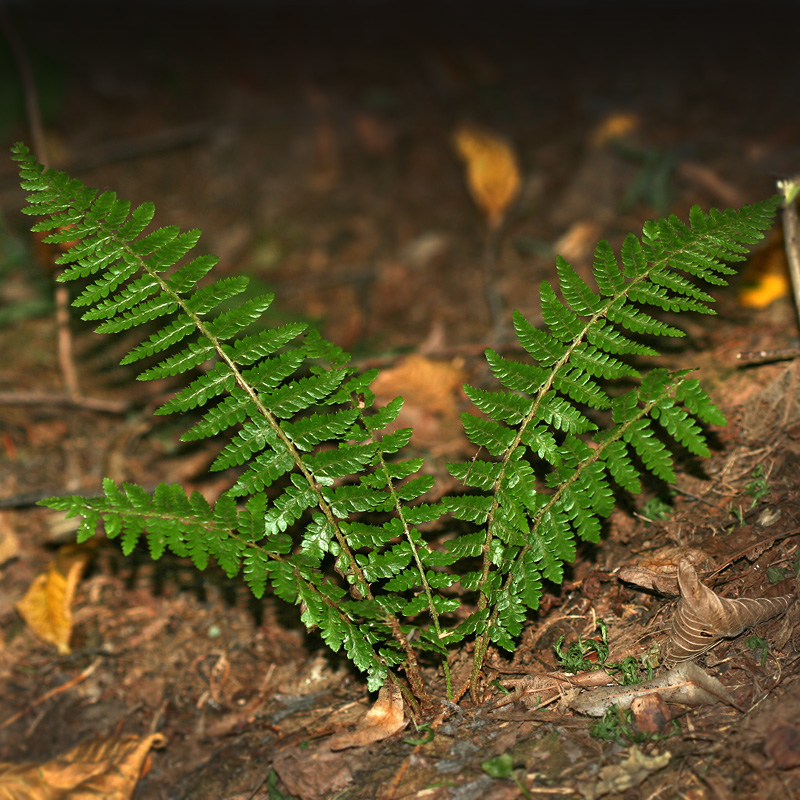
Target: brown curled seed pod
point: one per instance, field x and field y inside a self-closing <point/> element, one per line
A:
<point x="703" y="618"/>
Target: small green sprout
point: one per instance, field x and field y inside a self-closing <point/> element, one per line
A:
<point x="618" y="725"/>
<point x="576" y="658"/>
<point x="502" y="768"/>
<point x="756" y="643"/>
<point x="758" y="487"/>
<point x="655" y="509"/>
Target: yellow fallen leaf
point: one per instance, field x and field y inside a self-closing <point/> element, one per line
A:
<point x="766" y="277"/>
<point x="105" y="769"/>
<point x="381" y="721"/>
<point x="615" y="126"/>
<point x="9" y="541"/>
<point x="432" y="401"/>
<point x="47" y="605"/>
<point x="770" y="287"/>
<point x="492" y="173"/>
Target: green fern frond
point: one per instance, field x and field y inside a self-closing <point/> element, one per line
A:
<point x="321" y="508"/>
<point x="274" y="389"/>
<point x="531" y="524"/>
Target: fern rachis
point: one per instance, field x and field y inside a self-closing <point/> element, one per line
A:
<point x="323" y="509"/>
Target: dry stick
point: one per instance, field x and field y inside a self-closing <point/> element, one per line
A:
<point x="494" y="297"/>
<point x="76" y="680"/>
<point x="789" y="188"/>
<point x="66" y="360"/>
<point x="42" y="399"/>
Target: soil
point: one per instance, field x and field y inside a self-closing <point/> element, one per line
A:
<point x="313" y="145"/>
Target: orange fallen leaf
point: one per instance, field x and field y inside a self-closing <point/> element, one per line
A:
<point x="578" y="242"/>
<point x="106" y="768"/>
<point x="9" y="541"/>
<point x="432" y="396"/>
<point x="615" y="126"/>
<point x="492" y="173"/>
<point x="385" y="718"/>
<point x="766" y="277"/>
<point x="47" y="605"/>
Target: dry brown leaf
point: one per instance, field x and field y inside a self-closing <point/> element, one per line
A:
<point x="618" y="778"/>
<point x="687" y="684"/>
<point x="659" y="570"/>
<point x="9" y="543"/>
<point x="432" y="393"/>
<point x="47" y="605"/>
<point x="703" y="618"/>
<point x="106" y="769"/>
<point x="384" y="719"/>
<point x="650" y="713"/>
<point x="315" y="773"/>
<point x="493" y="176"/>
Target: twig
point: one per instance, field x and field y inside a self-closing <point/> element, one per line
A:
<point x="45" y="697"/>
<point x="769" y="355"/>
<point x="790" y="189"/>
<point x="33" y="110"/>
<point x="159" y="141"/>
<point x="42" y="399"/>
<point x="494" y="297"/>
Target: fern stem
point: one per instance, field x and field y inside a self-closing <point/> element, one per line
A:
<point x="413" y="670"/>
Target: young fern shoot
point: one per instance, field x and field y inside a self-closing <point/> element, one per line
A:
<point x="323" y="509"/>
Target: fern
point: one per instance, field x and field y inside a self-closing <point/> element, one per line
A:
<point x="324" y="510"/>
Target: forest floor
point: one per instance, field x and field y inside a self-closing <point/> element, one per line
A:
<point x="315" y="151"/>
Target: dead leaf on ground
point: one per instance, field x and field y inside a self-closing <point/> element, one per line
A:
<point x="703" y="618"/>
<point x="9" y="542"/>
<point x="687" y="684"/>
<point x="766" y="276"/>
<point x="106" y="769"/>
<point x="432" y="395"/>
<point x="658" y="571"/>
<point x="493" y="176"/>
<point x="577" y="244"/>
<point x="617" y="125"/>
<point x="384" y="719"/>
<point x="618" y="778"/>
<point x="315" y="773"/>
<point x="47" y="605"/>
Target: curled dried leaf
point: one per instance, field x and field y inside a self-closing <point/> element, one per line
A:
<point x="108" y="768"/>
<point x="703" y="618"/>
<point x="381" y="721"/>
<point x="659" y="570"/>
<point x="47" y="605"/>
